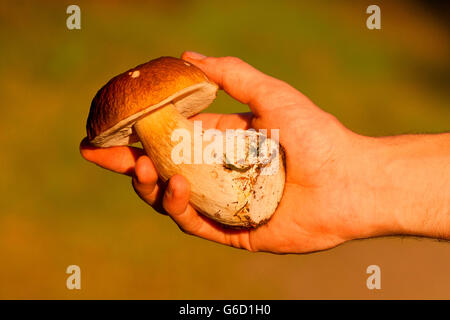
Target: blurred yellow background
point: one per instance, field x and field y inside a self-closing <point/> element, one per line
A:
<point x="57" y="209"/>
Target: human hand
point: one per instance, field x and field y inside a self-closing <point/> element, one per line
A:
<point x="330" y="171"/>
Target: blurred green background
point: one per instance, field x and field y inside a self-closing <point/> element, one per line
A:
<point x="56" y="209"/>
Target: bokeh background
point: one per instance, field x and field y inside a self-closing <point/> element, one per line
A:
<point x="57" y="210"/>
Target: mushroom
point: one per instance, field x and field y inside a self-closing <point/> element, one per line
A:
<point x="150" y="102"/>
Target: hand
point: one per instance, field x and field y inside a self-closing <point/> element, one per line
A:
<point x="332" y="174"/>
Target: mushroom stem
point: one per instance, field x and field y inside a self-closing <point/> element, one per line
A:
<point x="155" y="132"/>
<point x="233" y="197"/>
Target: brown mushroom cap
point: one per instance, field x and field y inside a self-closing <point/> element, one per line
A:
<point x="138" y="91"/>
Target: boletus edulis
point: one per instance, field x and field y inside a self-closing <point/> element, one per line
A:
<point x="238" y="186"/>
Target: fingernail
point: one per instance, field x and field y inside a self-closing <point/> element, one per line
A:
<point x="195" y="55"/>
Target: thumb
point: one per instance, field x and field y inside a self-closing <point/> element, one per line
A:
<point x="262" y="93"/>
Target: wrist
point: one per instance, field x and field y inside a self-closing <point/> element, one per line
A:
<point x="371" y="205"/>
<point x="402" y="186"/>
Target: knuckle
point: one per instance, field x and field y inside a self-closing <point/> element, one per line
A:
<point x="184" y="230"/>
<point x="232" y="60"/>
<point x="248" y="246"/>
<point x="247" y="242"/>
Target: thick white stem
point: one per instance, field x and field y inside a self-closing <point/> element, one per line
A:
<point x="232" y="197"/>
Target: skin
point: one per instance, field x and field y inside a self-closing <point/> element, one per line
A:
<point x="339" y="185"/>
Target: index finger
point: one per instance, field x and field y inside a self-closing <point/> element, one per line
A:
<point x="261" y="92"/>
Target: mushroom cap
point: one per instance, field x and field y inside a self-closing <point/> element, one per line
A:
<point x="131" y="95"/>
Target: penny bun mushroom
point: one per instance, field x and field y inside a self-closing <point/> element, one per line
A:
<point x="150" y="102"/>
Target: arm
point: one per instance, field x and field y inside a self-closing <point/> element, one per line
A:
<point x="339" y="185"/>
<point x="408" y="183"/>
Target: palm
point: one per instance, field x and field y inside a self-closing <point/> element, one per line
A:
<point x="299" y="223"/>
